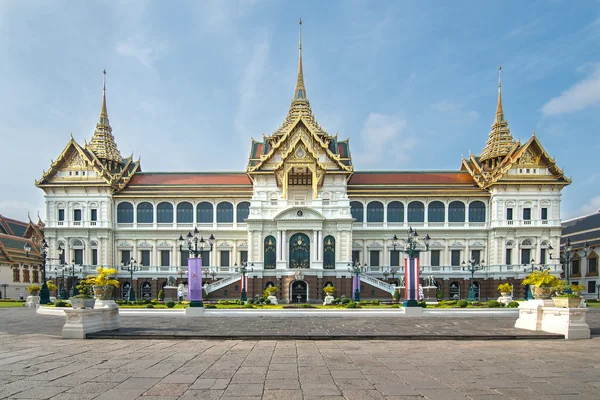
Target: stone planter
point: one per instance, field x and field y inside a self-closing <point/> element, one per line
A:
<point x="82" y="303"/>
<point x="505" y="294"/>
<point x="328" y="300"/>
<point x="273" y="299"/>
<point x="566" y="302"/>
<point x="541" y="292"/>
<point x="34" y="293"/>
<point x="103" y="292"/>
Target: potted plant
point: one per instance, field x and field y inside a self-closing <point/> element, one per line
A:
<point x="51" y="286"/>
<point x="505" y="289"/>
<point x="396" y="296"/>
<point x="541" y="283"/>
<point x="576" y="289"/>
<point x="161" y="295"/>
<point x="84" y="299"/>
<point x="103" y="283"/>
<point x="329" y="291"/>
<point x="269" y="294"/>
<point x="567" y="300"/>
<point x="34" y="290"/>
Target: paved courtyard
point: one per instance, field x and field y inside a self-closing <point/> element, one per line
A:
<point x="36" y="363"/>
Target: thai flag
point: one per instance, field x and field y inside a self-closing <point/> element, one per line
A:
<point x="411" y="278"/>
<point x="242" y="283"/>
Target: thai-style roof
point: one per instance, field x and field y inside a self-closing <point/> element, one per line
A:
<point x="13" y="236"/>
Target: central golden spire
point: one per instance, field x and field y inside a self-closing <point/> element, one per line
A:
<point x="103" y="113"/>
<point x="300" y="93"/>
<point x="499" y="110"/>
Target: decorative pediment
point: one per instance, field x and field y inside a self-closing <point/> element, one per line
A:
<point x="477" y="244"/>
<point x="124" y="245"/>
<point x="144" y="245"/>
<point x="225" y="245"/>
<point x="357" y="245"/>
<point x="299" y="214"/>
<point x="457" y="244"/>
<point x="164" y="245"/>
<point x="375" y="245"/>
<point x="242" y="245"/>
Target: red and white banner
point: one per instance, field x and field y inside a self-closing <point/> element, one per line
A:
<point x="244" y="284"/>
<point x="411" y="278"/>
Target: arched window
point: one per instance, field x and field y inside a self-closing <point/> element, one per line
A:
<point x="454" y="290"/>
<point x="477" y="211"/>
<point x="436" y="212"/>
<point x="375" y="211"/>
<point x="395" y="212"/>
<point x="125" y="213"/>
<point x="416" y="211"/>
<point x="224" y="212"/>
<point x="270" y="252"/>
<point x="145" y="213"/>
<point x="456" y="212"/>
<point x="185" y="212"/>
<point x="243" y="210"/>
<point x="204" y="213"/>
<point x="164" y="213"/>
<point x="356" y="209"/>
<point x="329" y="252"/>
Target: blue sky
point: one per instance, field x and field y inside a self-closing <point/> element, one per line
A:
<point x="412" y="83"/>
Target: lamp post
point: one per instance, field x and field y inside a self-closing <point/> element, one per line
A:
<point x="181" y="273"/>
<point x="356" y="269"/>
<point x="131" y="267"/>
<point x="213" y="275"/>
<point x="528" y="295"/>
<point x="244" y="269"/>
<point x="566" y="259"/>
<point x="195" y="246"/>
<point x="393" y="272"/>
<point x="62" y="293"/>
<point x="44" y="292"/>
<point x="72" y="268"/>
<point x="386" y="273"/>
<point x="413" y="249"/>
<point x="472" y="267"/>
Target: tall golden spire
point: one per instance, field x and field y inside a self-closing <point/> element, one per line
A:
<point x="103" y="142"/>
<point x="300" y="93"/>
<point x="500" y="141"/>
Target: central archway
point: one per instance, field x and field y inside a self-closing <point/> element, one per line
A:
<point x="299" y="251"/>
<point x="299" y="292"/>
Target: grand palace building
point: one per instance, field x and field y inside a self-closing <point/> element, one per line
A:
<point x="300" y="214"/>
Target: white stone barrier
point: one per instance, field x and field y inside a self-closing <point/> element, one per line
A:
<point x="81" y="321"/>
<point x="541" y="315"/>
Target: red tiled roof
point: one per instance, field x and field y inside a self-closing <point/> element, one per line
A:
<point x="190" y="179"/>
<point x="411" y="178"/>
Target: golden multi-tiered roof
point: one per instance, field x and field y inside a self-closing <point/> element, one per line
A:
<point x="103" y="142"/>
<point x="500" y="141"/>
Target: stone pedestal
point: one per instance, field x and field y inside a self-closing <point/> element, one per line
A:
<point x="505" y="299"/>
<point x="32" y="301"/>
<point x="328" y="300"/>
<point x="80" y="322"/>
<point x="273" y="299"/>
<point x="194" y="312"/>
<point x="570" y="322"/>
<point x="413" y="311"/>
<point x="105" y="304"/>
<point x="541" y="315"/>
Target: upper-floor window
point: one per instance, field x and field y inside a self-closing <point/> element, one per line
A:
<point x="224" y="212"/>
<point x="242" y="212"/>
<point x="145" y="213"/>
<point x="395" y="212"/>
<point x="374" y="258"/>
<point x="477" y="211"/>
<point x="61" y="214"/>
<point x="592" y="264"/>
<point x="416" y="211"/>
<point x="356" y="209"/>
<point x="455" y="258"/>
<point x="509" y="214"/>
<point x="164" y="213"/>
<point x="165" y="258"/>
<point x="436" y="212"/>
<point x="476" y="256"/>
<point x="527" y="214"/>
<point x="204" y="213"/>
<point x="145" y="259"/>
<point x="394" y="258"/>
<point x="375" y="211"/>
<point x="508" y="257"/>
<point x="125" y="213"/>
<point x="456" y="211"/>
<point x="544" y="213"/>
<point x="435" y="258"/>
<point x="185" y="212"/>
<point x="76" y="215"/>
<point x="575" y="266"/>
<point x="93" y="215"/>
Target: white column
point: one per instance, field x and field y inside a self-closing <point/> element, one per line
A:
<point x="283" y="246"/>
<point x="278" y="247"/>
<point x="315" y="246"/>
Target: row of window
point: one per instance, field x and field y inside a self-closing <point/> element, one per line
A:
<point x="396" y="257"/>
<point x="436" y="211"/>
<point x="27" y="278"/>
<point x="77" y="215"/>
<point x="165" y="258"/>
<point x="184" y="212"/>
<point x="527" y="214"/>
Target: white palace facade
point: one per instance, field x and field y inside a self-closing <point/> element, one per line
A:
<point x="300" y="214"/>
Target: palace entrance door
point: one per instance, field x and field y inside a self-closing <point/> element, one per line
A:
<point x="299" y="251"/>
<point x="299" y="292"/>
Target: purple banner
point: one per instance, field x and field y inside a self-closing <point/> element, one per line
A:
<point x="195" y="279"/>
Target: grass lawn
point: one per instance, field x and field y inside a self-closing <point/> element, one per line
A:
<point x="4" y="304"/>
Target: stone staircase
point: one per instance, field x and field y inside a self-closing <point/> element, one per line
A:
<point x="378" y="283"/>
<point x="222" y="283"/>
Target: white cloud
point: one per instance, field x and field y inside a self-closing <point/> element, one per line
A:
<point x="381" y="135"/>
<point x="137" y="46"/>
<point x="583" y="94"/>
<point x="591" y="207"/>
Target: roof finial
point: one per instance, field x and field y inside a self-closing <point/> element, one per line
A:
<point x="300" y="93"/>
<point x="499" y="109"/>
<point x="103" y="112"/>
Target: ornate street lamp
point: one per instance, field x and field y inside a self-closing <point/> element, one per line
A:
<point x="73" y="269"/>
<point x="213" y="275"/>
<point x="386" y="273"/>
<point x="566" y="259"/>
<point x="44" y="292"/>
<point x="528" y="295"/>
<point x="196" y="245"/>
<point x="472" y="267"/>
<point x="356" y="269"/>
<point x="244" y="269"/>
<point x="412" y="248"/>
<point x="62" y="292"/>
<point x="131" y="267"/>
<point x="393" y="272"/>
